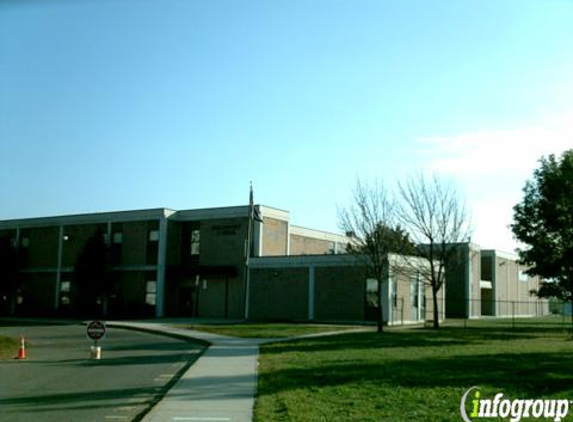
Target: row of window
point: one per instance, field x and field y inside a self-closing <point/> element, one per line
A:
<point x="150" y="292"/>
<point x="416" y="290"/>
<point x="152" y="250"/>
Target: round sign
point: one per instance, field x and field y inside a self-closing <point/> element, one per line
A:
<point x="96" y="330"/>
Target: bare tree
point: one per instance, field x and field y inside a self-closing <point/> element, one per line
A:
<point x="370" y="222"/>
<point x="435" y="216"/>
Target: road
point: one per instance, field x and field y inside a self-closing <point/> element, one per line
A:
<point x="58" y="382"/>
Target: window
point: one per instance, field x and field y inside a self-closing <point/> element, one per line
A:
<point x="150" y="292"/>
<point x="195" y="242"/>
<point x="117" y="238"/>
<point x="152" y="246"/>
<point x="24" y="243"/>
<point x="394" y="286"/>
<point x="414" y="292"/>
<point x="65" y="287"/>
<point x="154" y="236"/>
<point x="523" y="276"/>
<point x="372" y="292"/>
<point x="116" y="246"/>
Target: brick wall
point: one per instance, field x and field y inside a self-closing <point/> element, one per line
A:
<point x="77" y="236"/>
<point x="339" y="293"/>
<point x="279" y="294"/>
<point x="274" y="237"/>
<point x="134" y="243"/>
<point x="38" y="294"/>
<point x="43" y="247"/>
<point x="302" y="245"/>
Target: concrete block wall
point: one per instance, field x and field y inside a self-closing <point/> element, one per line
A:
<point x="339" y="293"/>
<point x="462" y="286"/>
<point x="279" y="294"/>
<point x="222" y="241"/>
<point x="42" y="251"/>
<point x="275" y="237"/>
<point x="302" y="245"/>
<point x="75" y="238"/>
<point x="38" y="293"/>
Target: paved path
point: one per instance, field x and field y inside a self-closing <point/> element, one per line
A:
<point x="220" y="386"/>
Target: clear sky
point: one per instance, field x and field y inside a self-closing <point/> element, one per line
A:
<point x="128" y="104"/>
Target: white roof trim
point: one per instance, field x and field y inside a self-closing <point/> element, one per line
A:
<point x="405" y="261"/>
<point x="275" y="213"/>
<point x="318" y="234"/>
<point x="94" y="218"/>
<point x="331" y="260"/>
<point x="303" y="261"/>
<point x="501" y="254"/>
<point x="212" y="213"/>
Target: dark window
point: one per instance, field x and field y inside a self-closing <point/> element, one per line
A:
<point x="372" y="293"/>
<point x="150" y="292"/>
<point x="152" y="242"/>
<point x="24" y="248"/>
<point x="191" y="243"/>
<point x="116" y="243"/>
<point x="394" y="284"/>
<point x="195" y="242"/>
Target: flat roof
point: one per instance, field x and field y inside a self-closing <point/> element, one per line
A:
<point x="145" y="214"/>
<point x="97" y="217"/>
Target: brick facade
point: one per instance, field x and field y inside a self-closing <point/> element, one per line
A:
<point x="193" y="263"/>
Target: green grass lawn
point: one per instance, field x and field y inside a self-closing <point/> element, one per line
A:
<point x="8" y="347"/>
<point x="410" y="375"/>
<point x="275" y="330"/>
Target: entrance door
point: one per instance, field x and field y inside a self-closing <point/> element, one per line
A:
<point x="187" y="301"/>
<point x="213" y="297"/>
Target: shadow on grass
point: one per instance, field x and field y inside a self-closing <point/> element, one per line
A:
<point x="520" y="374"/>
<point x="394" y="338"/>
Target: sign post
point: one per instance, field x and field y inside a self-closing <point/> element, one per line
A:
<point x="96" y="332"/>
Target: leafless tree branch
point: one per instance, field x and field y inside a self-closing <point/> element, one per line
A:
<point x="436" y="218"/>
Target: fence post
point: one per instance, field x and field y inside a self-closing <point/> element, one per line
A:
<point x="513" y="315"/>
<point x="402" y="310"/>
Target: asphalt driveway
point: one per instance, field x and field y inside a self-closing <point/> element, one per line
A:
<point x="58" y="382"/>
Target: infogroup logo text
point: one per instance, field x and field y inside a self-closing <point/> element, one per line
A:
<point x="500" y="407"/>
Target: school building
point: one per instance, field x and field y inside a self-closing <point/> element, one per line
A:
<point x="490" y="283"/>
<point x="192" y="263"/>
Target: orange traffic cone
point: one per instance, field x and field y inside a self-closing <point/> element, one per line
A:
<point x="22" y="349"/>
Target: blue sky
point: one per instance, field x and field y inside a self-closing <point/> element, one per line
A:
<point x="128" y="104"/>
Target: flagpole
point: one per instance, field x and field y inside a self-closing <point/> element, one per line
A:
<point x="248" y="252"/>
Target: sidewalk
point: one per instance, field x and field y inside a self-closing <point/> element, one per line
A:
<point x="220" y="386"/>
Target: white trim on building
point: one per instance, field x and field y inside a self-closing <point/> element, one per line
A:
<point x="318" y="234"/>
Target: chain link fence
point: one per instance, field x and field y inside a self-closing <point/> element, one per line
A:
<point x="540" y="314"/>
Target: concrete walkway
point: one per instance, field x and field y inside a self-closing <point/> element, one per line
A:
<point x="220" y="386"/>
